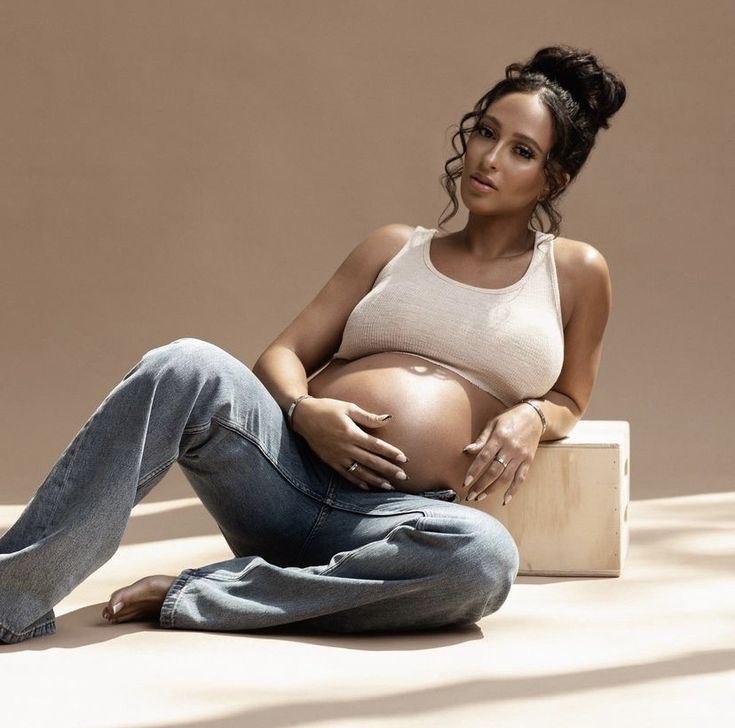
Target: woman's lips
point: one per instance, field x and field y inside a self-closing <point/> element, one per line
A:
<point x="480" y="186"/>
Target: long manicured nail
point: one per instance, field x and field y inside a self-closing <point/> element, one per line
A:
<point x="402" y="458"/>
<point x="385" y="485"/>
<point x="481" y="497"/>
<point x="468" y="480"/>
<point x="506" y="500"/>
<point x="471" y="495"/>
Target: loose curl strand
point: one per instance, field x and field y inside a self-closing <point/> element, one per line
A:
<point x="581" y="96"/>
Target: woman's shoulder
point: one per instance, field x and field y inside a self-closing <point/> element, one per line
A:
<point x="365" y="261"/>
<point x="579" y="265"/>
<point x="577" y="257"/>
<point x="394" y="233"/>
<point x="387" y="240"/>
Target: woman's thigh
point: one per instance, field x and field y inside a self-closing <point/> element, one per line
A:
<point x="260" y="481"/>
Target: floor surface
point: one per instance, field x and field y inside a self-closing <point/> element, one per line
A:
<point x="653" y="647"/>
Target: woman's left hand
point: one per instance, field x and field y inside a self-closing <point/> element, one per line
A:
<point x="514" y="436"/>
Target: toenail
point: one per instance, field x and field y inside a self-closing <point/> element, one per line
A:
<point x="117" y="607"/>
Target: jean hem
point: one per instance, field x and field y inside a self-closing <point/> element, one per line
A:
<point x="175" y="592"/>
<point x="7" y="636"/>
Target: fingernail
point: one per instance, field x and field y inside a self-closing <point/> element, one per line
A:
<point x="385" y="417"/>
<point x="466" y="448"/>
<point x="401" y="475"/>
<point x="507" y="499"/>
<point x="471" y="495"/>
<point x="385" y="485"/>
<point x="117" y="607"/>
<point x="402" y="459"/>
<point x="468" y="480"/>
<point x="484" y="495"/>
<point x="363" y="486"/>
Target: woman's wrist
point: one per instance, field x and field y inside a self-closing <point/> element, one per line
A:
<point x="296" y="404"/>
<point x="539" y="413"/>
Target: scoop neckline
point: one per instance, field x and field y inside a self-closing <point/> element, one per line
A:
<point x="539" y="237"/>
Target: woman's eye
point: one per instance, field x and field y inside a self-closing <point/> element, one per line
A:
<point x="525" y="152"/>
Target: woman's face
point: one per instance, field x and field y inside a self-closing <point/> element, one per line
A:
<point x="514" y="163"/>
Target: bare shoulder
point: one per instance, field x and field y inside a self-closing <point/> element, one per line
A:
<point x="359" y="270"/>
<point x="374" y="252"/>
<point x="387" y="240"/>
<point x="576" y="252"/>
<point x="581" y="268"/>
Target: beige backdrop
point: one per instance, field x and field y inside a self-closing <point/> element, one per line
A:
<point x="200" y="169"/>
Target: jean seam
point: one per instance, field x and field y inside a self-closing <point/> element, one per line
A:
<point x="366" y="547"/>
<point x="168" y="608"/>
<point x="213" y="576"/>
<point x="196" y="428"/>
<point x="155" y="472"/>
<point x="294" y="481"/>
<point x="4" y="628"/>
<point x="318" y="521"/>
<point x="60" y="489"/>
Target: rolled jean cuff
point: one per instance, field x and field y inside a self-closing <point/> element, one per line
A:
<point x="9" y="637"/>
<point x="173" y="595"/>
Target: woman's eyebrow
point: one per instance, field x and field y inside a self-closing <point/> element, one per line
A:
<point x="518" y="135"/>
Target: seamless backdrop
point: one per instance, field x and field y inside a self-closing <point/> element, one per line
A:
<point x="200" y="169"/>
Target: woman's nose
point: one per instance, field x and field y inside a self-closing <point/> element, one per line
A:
<point x="490" y="157"/>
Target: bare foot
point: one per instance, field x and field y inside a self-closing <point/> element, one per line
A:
<point x="140" y="601"/>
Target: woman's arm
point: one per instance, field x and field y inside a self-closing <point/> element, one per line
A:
<point x="565" y="404"/>
<point x="517" y="436"/>
<point x="311" y="339"/>
<point x="560" y="412"/>
<point x="283" y="374"/>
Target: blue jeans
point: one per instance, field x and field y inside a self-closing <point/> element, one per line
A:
<point x="310" y="547"/>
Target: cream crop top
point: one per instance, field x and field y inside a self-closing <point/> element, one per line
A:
<point x="508" y="341"/>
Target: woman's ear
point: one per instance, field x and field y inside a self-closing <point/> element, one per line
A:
<point x="567" y="178"/>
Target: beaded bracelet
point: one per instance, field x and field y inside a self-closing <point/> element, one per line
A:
<point x="540" y="413"/>
<point x="289" y="415"/>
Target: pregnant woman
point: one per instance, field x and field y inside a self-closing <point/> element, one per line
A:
<point x="337" y="469"/>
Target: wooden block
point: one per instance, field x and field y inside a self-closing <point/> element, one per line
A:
<point x="570" y="516"/>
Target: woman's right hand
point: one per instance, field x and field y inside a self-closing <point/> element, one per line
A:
<point x="332" y="429"/>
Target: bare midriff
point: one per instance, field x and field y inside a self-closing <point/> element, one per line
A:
<point x="436" y="412"/>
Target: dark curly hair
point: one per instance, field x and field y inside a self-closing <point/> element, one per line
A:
<point x="581" y="95"/>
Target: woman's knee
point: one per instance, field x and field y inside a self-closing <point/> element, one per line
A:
<point x="194" y="355"/>
<point x="185" y="348"/>
<point x="500" y="562"/>
<point x="486" y="561"/>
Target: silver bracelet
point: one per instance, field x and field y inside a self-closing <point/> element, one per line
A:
<point x="540" y="413"/>
<point x="289" y="414"/>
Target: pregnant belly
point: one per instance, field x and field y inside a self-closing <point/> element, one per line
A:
<point x="436" y="412"/>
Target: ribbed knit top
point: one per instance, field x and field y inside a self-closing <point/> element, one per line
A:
<point x="507" y="341"/>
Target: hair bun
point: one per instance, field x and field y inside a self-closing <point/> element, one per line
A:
<point x="597" y="90"/>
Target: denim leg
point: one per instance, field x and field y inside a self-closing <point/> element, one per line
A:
<point x="178" y="403"/>
<point x="438" y="565"/>
<point x="310" y="547"/>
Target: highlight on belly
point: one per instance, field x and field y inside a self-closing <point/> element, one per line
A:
<point x="436" y="412"/>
